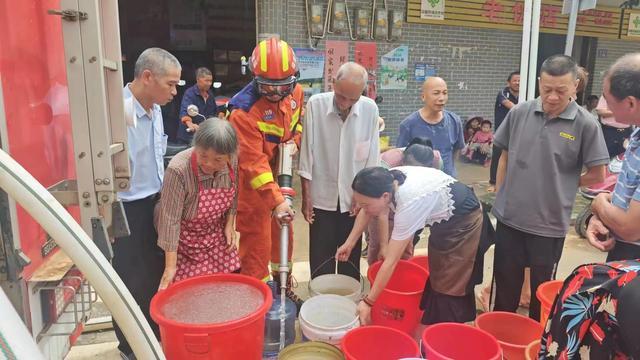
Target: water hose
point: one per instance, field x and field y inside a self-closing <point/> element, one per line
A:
<point x="15" y="340"/>
<point x="285" y="181"/>
<point x="72" y="239"/>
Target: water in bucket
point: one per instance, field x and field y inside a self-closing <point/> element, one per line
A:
<point x="336" y="284"/>
<point x="272" y="324"/>
<point x="211" y="303"/>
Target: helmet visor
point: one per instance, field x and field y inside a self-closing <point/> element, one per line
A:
<point x="280" y="90"/>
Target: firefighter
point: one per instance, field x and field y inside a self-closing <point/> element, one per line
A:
<point x="266" y="113"/>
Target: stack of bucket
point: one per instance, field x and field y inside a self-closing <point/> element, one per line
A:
<point x="331" y="312"/>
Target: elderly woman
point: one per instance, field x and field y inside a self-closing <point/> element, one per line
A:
<point x="197" y="208"/>
<point x="422" y="196"/>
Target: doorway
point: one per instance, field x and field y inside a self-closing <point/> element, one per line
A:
<point x="210" y="33"/>
<point x="583" y="53"/>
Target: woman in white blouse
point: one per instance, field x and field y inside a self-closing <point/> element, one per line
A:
<point x="422" y="197"/>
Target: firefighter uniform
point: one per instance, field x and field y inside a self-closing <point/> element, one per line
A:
<point x="261" y="126"/>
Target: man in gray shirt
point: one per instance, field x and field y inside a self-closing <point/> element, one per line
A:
<point x="546" y="143"/>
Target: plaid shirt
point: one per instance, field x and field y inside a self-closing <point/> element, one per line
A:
<point x="179" y="197"/>
<point x="628" y="185"/>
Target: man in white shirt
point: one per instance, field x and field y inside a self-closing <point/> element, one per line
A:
<point x="137" y="259"/>
<point x="340" y="138"/>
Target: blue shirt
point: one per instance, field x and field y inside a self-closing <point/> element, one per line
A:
<point x="147" y="145"/>
<point x="628" y="185"/>
<point x="446" y="136"/>
<point x="207" y="108"/>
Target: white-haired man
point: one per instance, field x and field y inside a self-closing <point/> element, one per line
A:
<point x="340" y="138"/>
<point x="137" y="258"/>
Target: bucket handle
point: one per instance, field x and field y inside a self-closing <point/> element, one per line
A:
<point x="336" y="272"/>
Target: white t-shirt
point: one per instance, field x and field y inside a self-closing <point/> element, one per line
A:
<point x="423" y="199"/>
<point x="334" y="151"/>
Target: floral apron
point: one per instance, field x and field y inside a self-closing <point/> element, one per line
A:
<point x="202" y="248"/>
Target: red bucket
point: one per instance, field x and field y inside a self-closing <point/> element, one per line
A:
<point x="533" y="350"/>
<point x="513" y="331"/>
<point x="219" y="341"/>
<point x="378" y="342"/>
<point x="422" y="261"/>
<point x="398" y="306"/>
<point x="442" y="342"/>
<point x="546" y="294"/>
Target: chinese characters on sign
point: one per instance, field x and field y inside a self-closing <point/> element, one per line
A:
<point x="432" y="9"/>
<point x="336" y="54"/>
<point x="492" y="8"/>
<point x="497" y="11"/>
<point x="394" y="68"/>
<point x="366" y="54"/>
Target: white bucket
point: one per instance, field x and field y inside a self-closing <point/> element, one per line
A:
<point x="336" y="284"/>
<point x="328" y="318"/>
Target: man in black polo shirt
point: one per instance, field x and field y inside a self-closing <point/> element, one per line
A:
<point x="546" y="142"/>
<point x="506" y="99"/>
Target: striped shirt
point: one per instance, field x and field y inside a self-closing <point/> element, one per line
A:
<point x="628" y="185"/>
<point x="179" y="197"/>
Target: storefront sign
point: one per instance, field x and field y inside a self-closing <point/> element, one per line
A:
<point x="432" y="9"/>
<point x="601" y="22"/>
<point x="634" y="24"/>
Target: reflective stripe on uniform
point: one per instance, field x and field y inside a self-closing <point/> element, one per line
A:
<point x="294" y="119"/>
<point x="285" y="56"/>
<point x="276" y="266"/>
<point x="266" y="278"/>
<point x="261" y="179"/>
<point x="272" y="129"/>
<point x="263" y="56"/>
<point x="299" y="128"/>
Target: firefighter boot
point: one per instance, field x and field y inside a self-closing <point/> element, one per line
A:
<point x="289" y="290"/>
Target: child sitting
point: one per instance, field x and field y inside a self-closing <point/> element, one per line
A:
<point x="479" y="148"/>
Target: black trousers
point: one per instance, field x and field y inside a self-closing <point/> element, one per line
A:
<point x="624" y="251"/>
<point x="514" y="251"/>
<point x="329" y="231"/>
<point x="493" y="170"/>
<point x="139" y="261"/>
